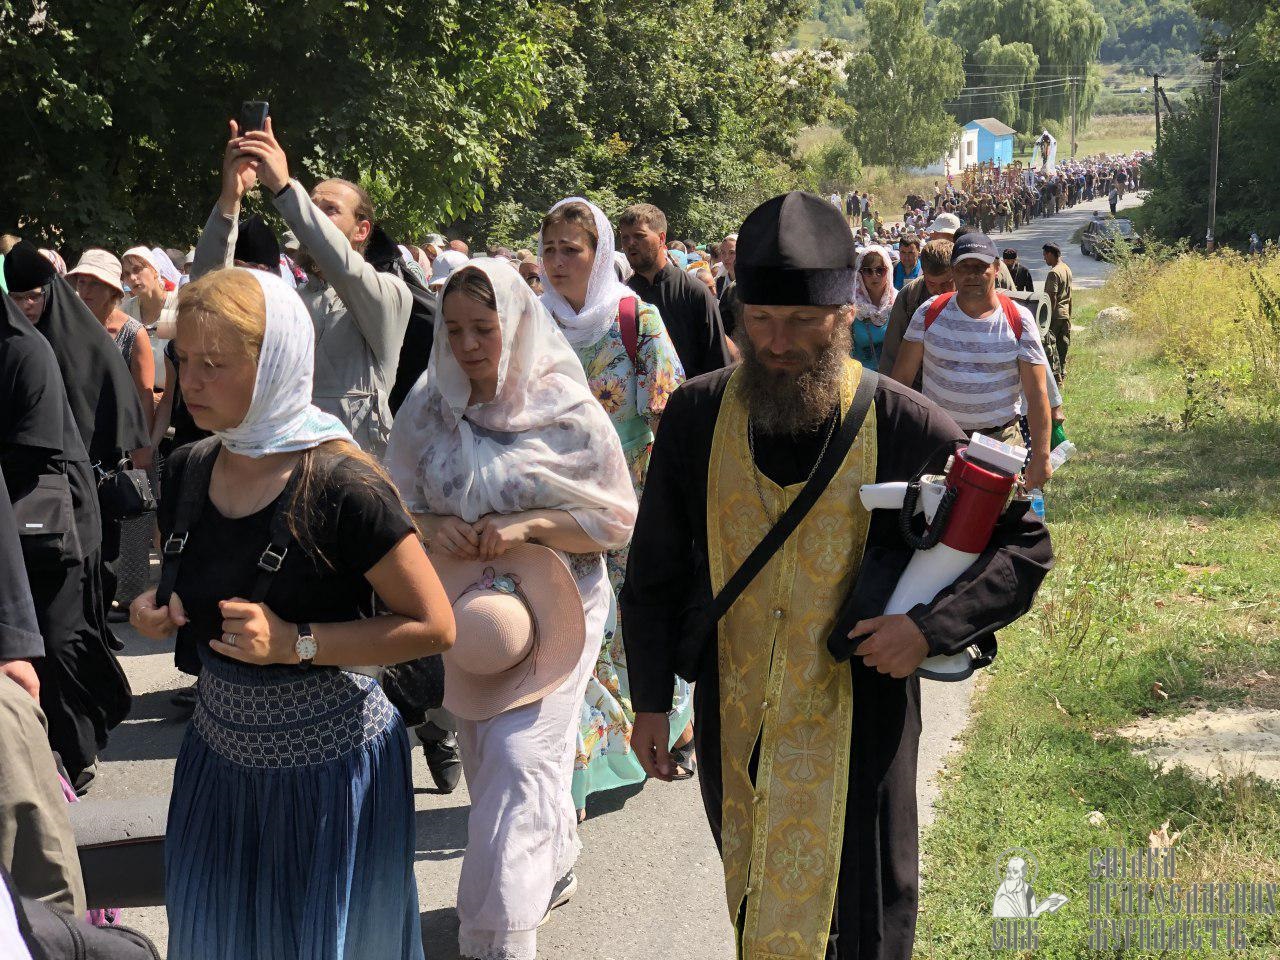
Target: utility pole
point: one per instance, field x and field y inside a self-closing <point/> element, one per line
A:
<point x="1155" y="96"/>
<point x="1073" y="118"/>
<point x="1213" y="157"/>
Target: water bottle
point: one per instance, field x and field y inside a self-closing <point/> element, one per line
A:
<point x="1061" y="454"/>
<point x="1037" y="502"/>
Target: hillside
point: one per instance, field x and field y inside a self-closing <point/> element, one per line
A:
<point x="1164" y="34"/>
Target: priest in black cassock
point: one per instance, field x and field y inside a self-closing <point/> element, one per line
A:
<point x="806" y="739"/>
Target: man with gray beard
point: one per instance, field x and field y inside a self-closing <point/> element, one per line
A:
<point x="807" y="713"/>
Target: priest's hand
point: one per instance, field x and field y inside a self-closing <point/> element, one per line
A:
<point x="893" y="644"/>
<point x="650" y="734"/>
<point x="156" y="623"/>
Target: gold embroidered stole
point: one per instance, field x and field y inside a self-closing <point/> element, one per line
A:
<point x="782" y="835"/>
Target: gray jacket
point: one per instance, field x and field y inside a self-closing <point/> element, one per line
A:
<point x="359" y="314"/>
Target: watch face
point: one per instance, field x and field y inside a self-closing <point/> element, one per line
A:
<point x="306" y="648"/>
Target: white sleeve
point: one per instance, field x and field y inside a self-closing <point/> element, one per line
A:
<point x="1030" y="347"/>
<point x="915" y="329"/>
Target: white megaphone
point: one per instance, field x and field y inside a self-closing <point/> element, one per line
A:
<point x="960" y="510"/>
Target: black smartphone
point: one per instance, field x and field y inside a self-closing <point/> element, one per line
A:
<point x="253" y="115"/>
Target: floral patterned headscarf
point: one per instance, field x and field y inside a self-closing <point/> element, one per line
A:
<point x="868" y="309"/>
<point x="542" y="443"/>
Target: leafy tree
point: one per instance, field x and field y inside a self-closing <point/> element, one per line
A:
<point x="1248" y="191"/>
<point x="1150" y="33"/>
<point x="116" y="110"/>
<point x="1064" y="34"/>
<point x="897" y="86"/>
<point x="998" y="64"/>
<point x="685" y="106"/>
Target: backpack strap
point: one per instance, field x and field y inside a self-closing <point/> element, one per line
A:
<point x="935" y="309"/>
<point x="1011" y="312"/>
<point x="1013" y="315"/>
<point x="272" y="558"/>
<point x="627" y="309"/>
<point x="193" y="489"/>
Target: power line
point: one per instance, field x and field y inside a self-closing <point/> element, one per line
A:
<point x="1019" y="86"/>
<point x="1020" y="89"/>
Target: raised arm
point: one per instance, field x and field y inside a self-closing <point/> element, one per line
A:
<point x="217" y="244"/>
<point x="379" y="302"/>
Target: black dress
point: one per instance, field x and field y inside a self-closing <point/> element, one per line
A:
<point x="667" y="572"/>
<point x="83" y="691"/>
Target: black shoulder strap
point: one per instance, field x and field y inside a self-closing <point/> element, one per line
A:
<point x="193" y="489"/>
<point x="790" y="519"/>
<point x="272" y="558"/>
<point x="192" y="493"/>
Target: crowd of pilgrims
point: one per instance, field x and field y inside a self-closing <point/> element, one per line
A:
<point x="996" y="199"/>
<point x="431" y="447"/>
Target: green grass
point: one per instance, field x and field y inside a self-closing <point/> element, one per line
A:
<point x="1123" y="133"/>
<point x="1168" y="556"/>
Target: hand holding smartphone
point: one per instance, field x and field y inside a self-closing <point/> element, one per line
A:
<point x="253" y="115"/>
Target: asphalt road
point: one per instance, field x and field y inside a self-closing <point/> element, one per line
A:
<point x="650" y="886"/>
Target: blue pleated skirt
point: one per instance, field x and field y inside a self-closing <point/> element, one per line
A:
<point x="291" y="826"/>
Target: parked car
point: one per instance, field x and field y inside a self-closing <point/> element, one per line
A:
<point x="1103" y="237"/>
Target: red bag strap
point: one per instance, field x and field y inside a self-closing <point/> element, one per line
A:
<point x="1011" y="312"/>
<point x="1013" y="315"/>
<point x="935" y="309"/>
<point x="627" y="308"/>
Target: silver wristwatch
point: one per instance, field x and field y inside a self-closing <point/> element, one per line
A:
<point x="305" y="646"/>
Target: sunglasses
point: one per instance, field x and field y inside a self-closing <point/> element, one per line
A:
<point x="874" y="271"/>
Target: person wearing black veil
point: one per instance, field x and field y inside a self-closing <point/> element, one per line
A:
<point x="102" y="396"/>
<point x="83" y="691"/>
<point x="99" y="387"/>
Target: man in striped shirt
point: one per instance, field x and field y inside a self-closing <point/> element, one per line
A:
<point x="982" y="356"/>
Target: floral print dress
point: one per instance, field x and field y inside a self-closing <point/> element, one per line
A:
<point x="634" y="396"/>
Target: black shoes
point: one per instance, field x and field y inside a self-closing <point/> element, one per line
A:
<point x="440" y="747"/>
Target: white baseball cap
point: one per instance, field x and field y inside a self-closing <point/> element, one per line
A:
<point x="945" y="223"/>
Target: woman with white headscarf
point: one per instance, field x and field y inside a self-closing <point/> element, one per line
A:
<point x="501" y="443"/>
<point x="150" y="300"/>
<point x="632" y="368"/>
<point x="873" y="300"/>
<point x="291" y="826"/>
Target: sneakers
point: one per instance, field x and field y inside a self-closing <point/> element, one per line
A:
<point x="440" y="747"/>
<point x="561" y="894"/>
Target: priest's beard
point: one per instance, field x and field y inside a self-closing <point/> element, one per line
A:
<point x="782" y="402"/>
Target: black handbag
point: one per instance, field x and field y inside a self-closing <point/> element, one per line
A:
<point x="124" y="492"/>
<point x="700" y="619"/>
<point x="415" y="687"/>
<point x="47" y="524"/>
<point x="50" y="935"/>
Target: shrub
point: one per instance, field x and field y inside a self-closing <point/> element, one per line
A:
<point x="1216" y="317"/>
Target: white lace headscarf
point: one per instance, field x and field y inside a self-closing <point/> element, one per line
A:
<point x="281" y="417"/>
<point x="586" y="326"/>
<point x="542" y="443"/>
<point x="868" y="309"/>
<point x="165" y="266"/>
